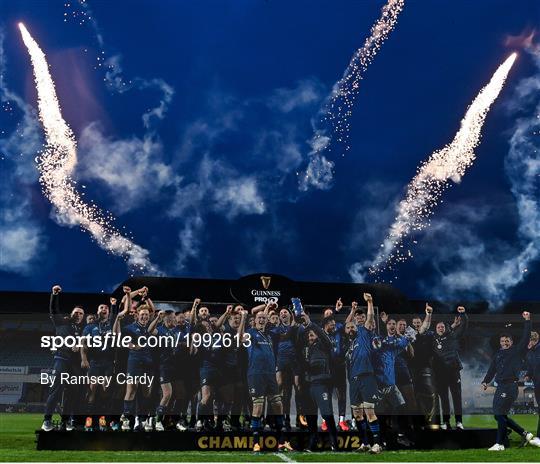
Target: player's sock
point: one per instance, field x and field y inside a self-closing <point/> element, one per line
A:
<point x="129" y="407"/>
<point x="160" y="412"/>
<point x="332" y="430"/>
<point x="255" y="428"/>
<point x="362" y="428"/>
<point x="375" y="431"/>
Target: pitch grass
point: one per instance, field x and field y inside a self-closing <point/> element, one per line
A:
<point x="17" y="443"/>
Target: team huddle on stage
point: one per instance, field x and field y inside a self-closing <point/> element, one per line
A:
<point x="240" y="369"/>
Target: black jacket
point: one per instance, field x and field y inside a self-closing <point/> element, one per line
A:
<point x="507" y="364"/>
<point x="445" y="347"/>
<point x="64" y="327"/>
<point x="317" y="357"/>
<point x="533" y="364"/>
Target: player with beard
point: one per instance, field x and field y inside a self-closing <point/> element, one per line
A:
<point x="99" y="362"/>
<point x="164" y="327"/>
<point x="335" y="332"/>
<point x="66" y="360"/>
<point x="317" y="360"/>
<point x="421" y="369"/>
<point x="363" y="389"/>
<point x="261" y="375"/>
<point x="505" y="369"/>
<point x="533" y="374"/>
<point x="139" y="363"/>
<point x="447" y="366"/>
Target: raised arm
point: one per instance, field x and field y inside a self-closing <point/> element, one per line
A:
<point x="370" y="316"/>
<point x="427" y="320"/>
<point x="224" y="316"/>
<point x="321" y="334"/>
<point x="350" y="316"/>
<point x="113" y="311"/>
<point x="339" y="305"/>
<point x="54" y="304"/>
<point x="127" y="305"/>
<point x="152" y="328"/>
<point x="463" y="325"/>
<point x="242" y="326"/>
<point x="193" y="313"/>
<point x="523" y="343"/>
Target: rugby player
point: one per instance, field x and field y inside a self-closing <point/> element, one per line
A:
<point x="287" y="362"/>
<point x="363" y="389"/>
<point x="139" y="363"/>
<point x="505" y="369"/>
<point x="261" y="376"/>
<point x="99" y="362"/>
<point x="384" y="363"/>
<point x="164" y="326"/>
<point x="66" y="360"/>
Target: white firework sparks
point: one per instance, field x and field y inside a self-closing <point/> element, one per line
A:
<point x="56" y="164"/>
<point x="339" y="104"/>
<point x="434" y="175"/>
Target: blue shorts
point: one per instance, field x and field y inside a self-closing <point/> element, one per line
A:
<point x="138" y="367"/>
<point x="167" y="373"/>
<point x="262" y="384"/>
<point x="209" y="376"/>
<point x="363" y="389"/>
<point x="98" y="368"/>
<point x="286" y="364"/>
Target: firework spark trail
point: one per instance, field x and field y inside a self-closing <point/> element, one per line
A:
<point x="57" y="162"/>
<point x="434" y="175"/>
<point x="338" y="106"/>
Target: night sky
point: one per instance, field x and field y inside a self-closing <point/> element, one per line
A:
<point x="195" y="120"/>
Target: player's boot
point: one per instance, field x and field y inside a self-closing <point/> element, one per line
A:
<point x="343" y="426"/>
<point x="364" y="448"/>
<point x="285" y="447"/>
<point x="226" y="426"/>
<point x="115" y="427"/>
<point x="125" y="423"/>
<point x="159" y="426"/>
<point x="102" y="424"/>
<point x="256" y="448"/>
<point x="70" y="426"/>
<point x="149" y="424"/>
<point x="324" y="427"/>
<point x="496" y="447"/>
<point x="199" y="425"/>
<point x="375" y="449"/>
<point x="535" y="442"/>
<point x="526" y="438"/>
<point x="47" y="426"/>
<point x="181" y="425"/>
<point x="88" y="424"/>
<point x="137" y="427"/>
<point x="459" y="426"/>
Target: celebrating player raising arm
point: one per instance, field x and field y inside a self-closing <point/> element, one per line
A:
<point x="66" y="360"/>
<point x="505" y="369"/>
